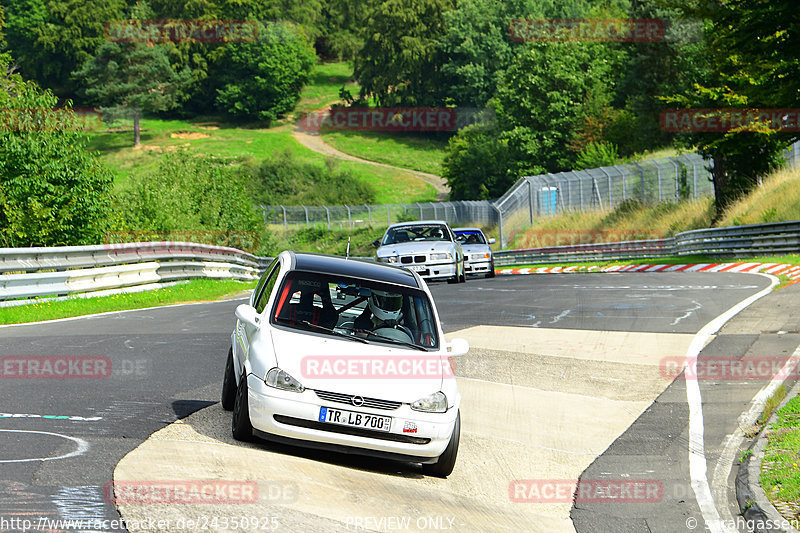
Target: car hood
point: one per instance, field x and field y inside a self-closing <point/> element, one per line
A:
<point x="319" y="363"/>
<point x="405" y="248"/>
<point x="476" y="248"/>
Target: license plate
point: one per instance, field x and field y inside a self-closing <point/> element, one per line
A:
<point x="418" y="268"/>
<point x="353" y="419"/>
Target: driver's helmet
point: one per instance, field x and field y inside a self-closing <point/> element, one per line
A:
<point x="385" y="305"/>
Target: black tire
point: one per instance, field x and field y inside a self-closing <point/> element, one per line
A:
<point x="463" y="278"/>
<point x="444" y="466"/>
<point x="491" y="273"/>
<point x="240" y="423"/>
<point x="229" y="384"/>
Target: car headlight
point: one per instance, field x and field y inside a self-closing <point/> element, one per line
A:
<point x="440" y="257"/>
<point x="388" y="259"/>
<point x="435" y="403"/>
<point x="282" y="380"/>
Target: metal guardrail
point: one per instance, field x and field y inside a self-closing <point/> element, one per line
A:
<point x="69" y="270"/>
<point x="751" y="240"/>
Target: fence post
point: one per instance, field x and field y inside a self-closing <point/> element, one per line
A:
<point x="580" y="187"/>
<point x="369" y="214"/>
<point x="435" y="216"/>
<point x="610" y="191"/>
<point x="285" y="223"/>
<point x="328" y="213"/>
<point x="658" y="171"/>
<point x="306" y="210"/>
<point x="641" y="180"/>
<point x="499" y="225"/>
<point x="349" y="216"/>
<point x="677" y="177"/>
<point x="597" y="191"/>
<point x="694" y="171"/>
<point x="388" y="215"/>
<point x="530" y="199"/>
<point x="420" y="211"/>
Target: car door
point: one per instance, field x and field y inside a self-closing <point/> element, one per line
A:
<point x="259" y="299"/>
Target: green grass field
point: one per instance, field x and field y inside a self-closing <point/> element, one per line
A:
<point x="780" y="469"/>
<point x="214" y="136"/>
<point x="199" y="290"/>
<point x="415" y="151"/>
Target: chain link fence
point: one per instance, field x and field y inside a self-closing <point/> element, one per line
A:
<point x="667" y="179"/>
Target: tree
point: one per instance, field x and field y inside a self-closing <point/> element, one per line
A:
<point x="52" y="190"/>
<point x="51" y="38"/>
<point x="263" y="80"/>
<point x="476" y="165"/>
<point x="400" y="63"/>
<point x="753" y="46"/>
<point x="545" y="95"/>
<point x="132" y="78"/>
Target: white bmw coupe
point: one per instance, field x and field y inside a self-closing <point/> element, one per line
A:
<point x="345" y="355"/>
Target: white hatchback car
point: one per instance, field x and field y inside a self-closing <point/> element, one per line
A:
<point x="345" y="355"/>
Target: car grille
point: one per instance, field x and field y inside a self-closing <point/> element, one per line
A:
<point x="347" y="430"/>
<point x="348" y="399"/>
<point x="406" y="259"/>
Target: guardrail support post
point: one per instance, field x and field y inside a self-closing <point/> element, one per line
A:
<point x="530" y="199"/>
<point x="499" y="225"/>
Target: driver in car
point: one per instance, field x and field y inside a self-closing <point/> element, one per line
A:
<point x="382" y="316"/>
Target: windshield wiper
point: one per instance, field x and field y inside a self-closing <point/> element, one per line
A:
<point x="333" y="331"/>
<point x="390" y="339"/>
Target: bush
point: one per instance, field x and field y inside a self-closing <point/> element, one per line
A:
<point x="282" y="179"/>
<point x="597" y="154"/>
<point x="189" y="194"/>
<point x="53" y="192"/>
<point x="476" y="164"/>
<point x="262" y="80"/>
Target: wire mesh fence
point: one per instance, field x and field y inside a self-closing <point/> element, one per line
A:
<point x="461" y="213"/>
<point x="666" y="179"/>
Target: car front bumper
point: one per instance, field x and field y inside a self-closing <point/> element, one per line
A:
<point x="293" y="418"/>
<point x="478" y="267"/>
<point x="434" y="270"/>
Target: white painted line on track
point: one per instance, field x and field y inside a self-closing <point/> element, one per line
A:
<point x="698" y="467"/>
<point x="82" y="446"/>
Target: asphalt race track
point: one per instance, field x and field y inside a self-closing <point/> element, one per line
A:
<point x="563" y="380"/>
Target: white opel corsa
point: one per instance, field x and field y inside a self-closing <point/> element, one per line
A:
<point x="345" y="355"/>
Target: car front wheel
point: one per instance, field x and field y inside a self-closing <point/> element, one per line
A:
<point x="229" y="384"/>
<point x="443" y="467"/>
<point x="240" y="425"/>
<point x="491" y="274"/>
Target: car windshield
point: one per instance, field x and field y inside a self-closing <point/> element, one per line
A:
<point x="362" y="309"/>
<point x="470" y="237"/>
<point x="401" y="234"/>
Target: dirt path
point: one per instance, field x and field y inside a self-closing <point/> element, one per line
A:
<point x="315" y="143"/>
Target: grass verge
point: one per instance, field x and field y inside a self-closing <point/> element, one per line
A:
<point x="415" y="151"/>
<point x="199" y="290"/>
<point x="780" y="469"/>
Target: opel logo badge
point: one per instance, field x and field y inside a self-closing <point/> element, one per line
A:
<point x="358" y="401"/>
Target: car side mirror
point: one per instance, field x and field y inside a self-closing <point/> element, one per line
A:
<point x="248" y="315"/>
<point x="457" y="347"/>
<point x="492" y="240"/>
<point x="376" y="243"/>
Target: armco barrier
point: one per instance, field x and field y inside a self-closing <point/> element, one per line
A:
<point x="69" y="270"/>
<point x="742" y="241"/>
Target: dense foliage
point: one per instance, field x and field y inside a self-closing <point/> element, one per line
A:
<point x="557" y="105"/>
<point x="52" y="191"/>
